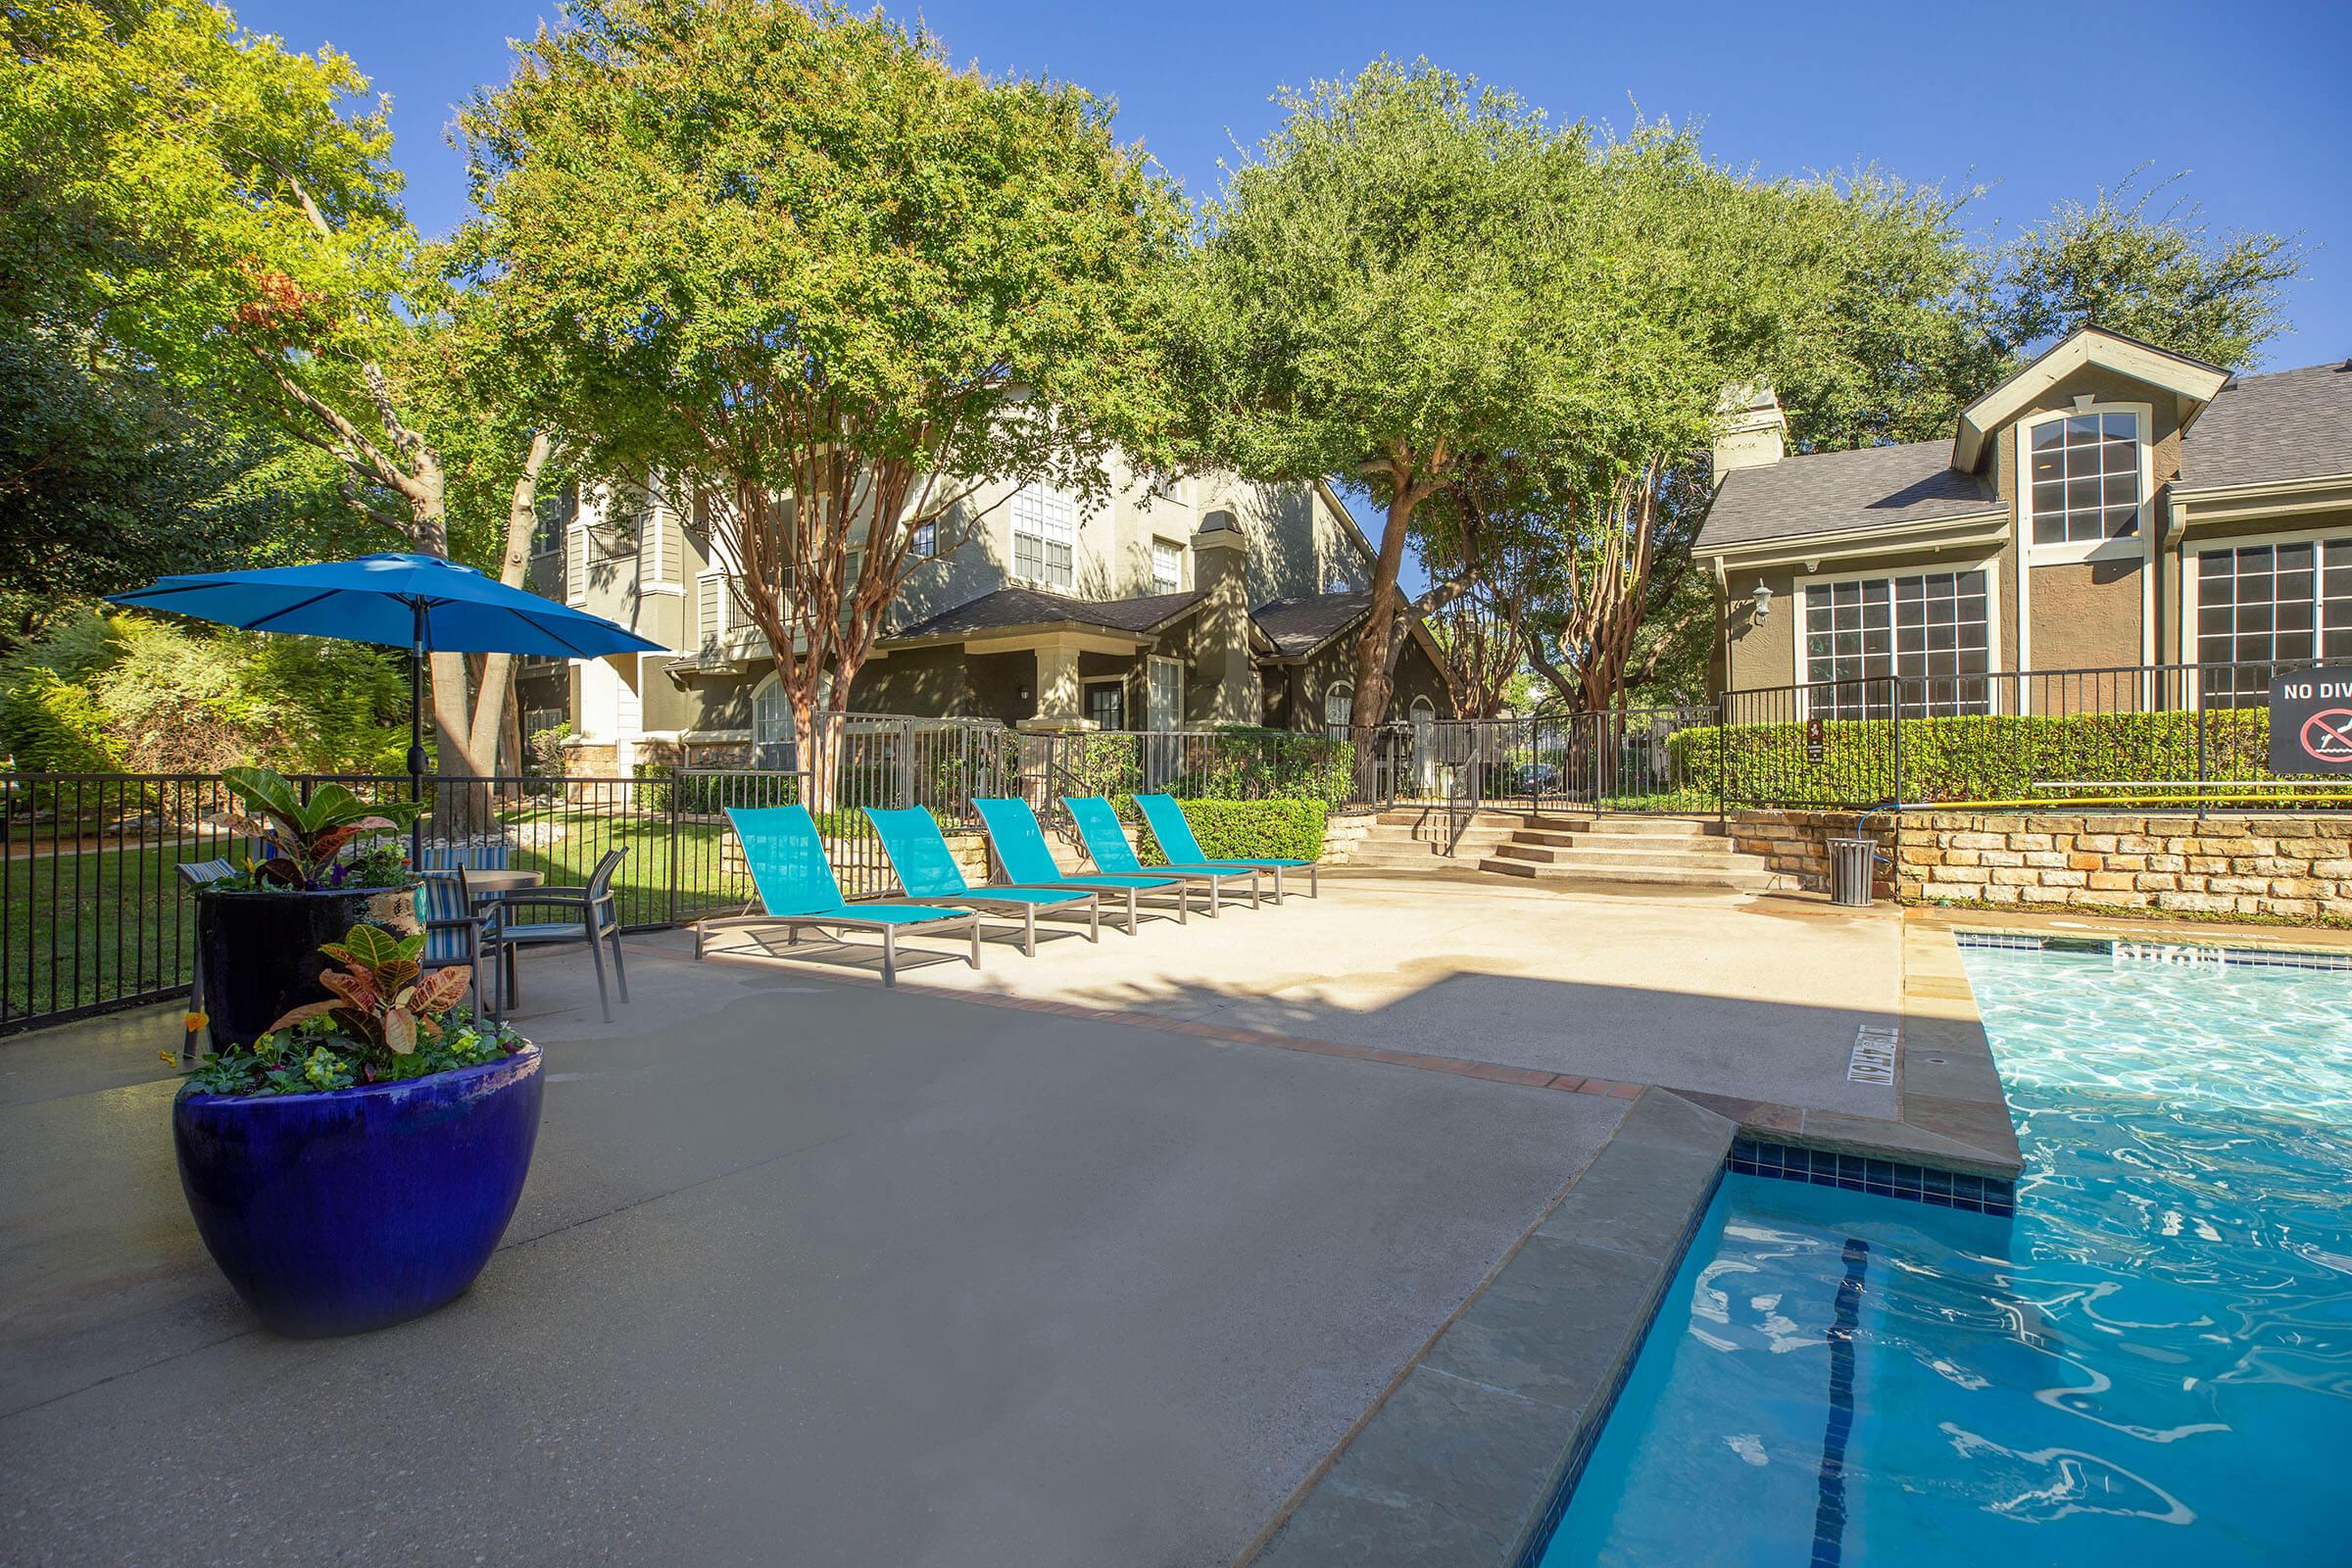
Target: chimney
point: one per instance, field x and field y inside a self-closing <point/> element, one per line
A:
<point x="1224" y="664"/>
<point x="1750" y="431"/>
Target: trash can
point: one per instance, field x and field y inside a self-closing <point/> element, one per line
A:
<point x="1850" y="871"/>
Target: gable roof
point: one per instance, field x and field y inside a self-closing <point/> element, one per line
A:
<point x="2273" y="428"/>
<point x="1299" y="625"/>
<point x="2192" y="382"/>
<point x="1018" y="609"/>
<point x="1825" y="493"/>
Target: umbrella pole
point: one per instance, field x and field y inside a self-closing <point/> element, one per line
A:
<point x="417" y="736"/>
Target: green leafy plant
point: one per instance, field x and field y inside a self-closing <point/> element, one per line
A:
<point x="382" y="995"/>
<point x="388" y="1019"/>
<point x="306" y="835"/>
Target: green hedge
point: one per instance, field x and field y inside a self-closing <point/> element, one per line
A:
<point x="1976" y="758"/>
<point x="1238" y="763"/>
<point x="1244" y="830"/>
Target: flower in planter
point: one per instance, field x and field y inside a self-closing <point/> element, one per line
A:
<point x="387" y="1020"/>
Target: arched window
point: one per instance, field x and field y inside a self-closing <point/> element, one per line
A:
<point x="771" y="725"/>
<point x="1339" y="706"/>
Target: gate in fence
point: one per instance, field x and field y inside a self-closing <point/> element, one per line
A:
<point x="1620" y="760"/>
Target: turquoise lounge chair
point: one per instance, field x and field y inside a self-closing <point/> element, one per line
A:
<point x="1166" y="820"/>
<point x="1099" y="827"/>
<point x="795" y="887"/>
<point x="919" y="851"/>
<point x="1027" y="859"/>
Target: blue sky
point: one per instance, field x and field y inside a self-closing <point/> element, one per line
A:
<point x="2037" y="102"/>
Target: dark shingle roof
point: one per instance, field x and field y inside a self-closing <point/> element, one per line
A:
<point x="2263" y="429"/>
<point x="1832" y="492"/>
<point x="1305" y="623"/>
<point x="1008" y="608"/>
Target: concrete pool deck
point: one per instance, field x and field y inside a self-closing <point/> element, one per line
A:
<point x="1114" y="1246"/>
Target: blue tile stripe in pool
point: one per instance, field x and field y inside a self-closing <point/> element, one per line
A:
<point x="1887" y="1178"/>
<point x="1829" y="1508"/>
<point x="2229" y="953"/>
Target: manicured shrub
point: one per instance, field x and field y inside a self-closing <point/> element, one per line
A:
<point x="1971" y="758"/>
<point x="1246" y="830"/>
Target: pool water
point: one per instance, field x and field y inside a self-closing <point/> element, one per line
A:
<point x="2152" y="1364"/>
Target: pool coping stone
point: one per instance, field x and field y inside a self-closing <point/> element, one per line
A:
<point x="1469" y="1456"/>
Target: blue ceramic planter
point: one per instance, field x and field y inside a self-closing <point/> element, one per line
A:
<point x="355" y="1210"/>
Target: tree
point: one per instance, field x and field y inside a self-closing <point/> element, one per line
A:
<point x="832" y="285"/>
<point x="224" y="211"/>
<point x="2161" y="277"/>
<point x="1374" y="296"/>
<point x="107" y="478"/>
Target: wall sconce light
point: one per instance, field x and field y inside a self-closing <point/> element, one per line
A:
<point x="1021" y="694"/>
<point x="1761" y="598"/>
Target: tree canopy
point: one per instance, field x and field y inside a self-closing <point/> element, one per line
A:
<point x="825" y="266"/>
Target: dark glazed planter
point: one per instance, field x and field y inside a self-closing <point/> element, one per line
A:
<point x="261" y="950"/>
<point x="357" y="1208"/>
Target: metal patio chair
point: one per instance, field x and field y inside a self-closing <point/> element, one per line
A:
<point x="458" y="930"/>
<point x="588" y="916"/>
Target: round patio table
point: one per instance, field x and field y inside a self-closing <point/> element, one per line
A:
<point x="479" y="883"/>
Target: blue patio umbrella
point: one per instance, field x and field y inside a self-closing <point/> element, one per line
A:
<point x="430" y="604"/>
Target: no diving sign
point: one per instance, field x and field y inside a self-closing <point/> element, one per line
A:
<point x="2310" y="722"/>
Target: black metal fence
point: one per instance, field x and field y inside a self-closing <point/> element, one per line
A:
<point x="1235" y="764"/>
<point x="93" y="913"/>
<point x="1620" y="760"/>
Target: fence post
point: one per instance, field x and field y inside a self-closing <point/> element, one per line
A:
<point x="1722" y="756"/>
<point x="1895" y="712"/>
<point x="678" y="790"/>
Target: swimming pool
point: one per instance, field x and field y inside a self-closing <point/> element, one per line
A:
<point x="2152" y="1364"/>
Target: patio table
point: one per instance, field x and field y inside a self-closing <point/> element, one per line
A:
<point x="484" y="885"/>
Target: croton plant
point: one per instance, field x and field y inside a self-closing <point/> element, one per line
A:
<point x="307" y="837"/>
<point x="388" y="1018"/>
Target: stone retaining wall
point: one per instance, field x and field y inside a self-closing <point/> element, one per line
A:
<point x="1343" y="831"/>
<point x="2290" y="866"/>
<point x="2296" y="868"/>
<point x="1795" y="845"/>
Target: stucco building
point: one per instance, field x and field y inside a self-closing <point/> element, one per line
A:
<point x="1199" y="603"/>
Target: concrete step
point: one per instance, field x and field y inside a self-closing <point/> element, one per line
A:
<point x="1613" y="857"/>
<point x="1662" y="827"/>
<point x="1724" y="880"/>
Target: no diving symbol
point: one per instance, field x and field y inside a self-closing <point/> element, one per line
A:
<point x="2328" y="735"/>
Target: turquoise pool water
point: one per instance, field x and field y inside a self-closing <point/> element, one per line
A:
<point x="2150" y="1365"/>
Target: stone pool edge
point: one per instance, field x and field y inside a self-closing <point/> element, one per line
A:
<point x="1473" y="1452"/>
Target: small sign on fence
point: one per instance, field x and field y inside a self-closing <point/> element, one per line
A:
<point x="1813" y="738"/>
<point x="2310" y="722"/>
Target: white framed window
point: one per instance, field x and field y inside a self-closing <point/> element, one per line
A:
<point x="1163" y="694"/>
<point x="1167" y="567"/>
<point x="925" y="544"/>
<point x="1339" y="706"/>
<point x="1045" y="536"/>
<point x="1930" y="632"/>
<point x="1105" y="702"/>
<point x="772" y="740"/>
<point x="2085" y="482"/>
<point x="2257" y="605"/>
